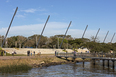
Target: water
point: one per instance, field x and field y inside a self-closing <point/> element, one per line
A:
<point x="69" y="70"/>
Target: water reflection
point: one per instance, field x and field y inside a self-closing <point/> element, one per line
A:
<point x="81" y="69"/>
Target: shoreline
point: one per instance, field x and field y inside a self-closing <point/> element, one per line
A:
<point x="23" y="64"/>
<point x="43" y="64"/>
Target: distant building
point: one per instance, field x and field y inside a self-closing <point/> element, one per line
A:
<point x="84" y="50"/>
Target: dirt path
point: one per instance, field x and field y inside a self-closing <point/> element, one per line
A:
<point x="22" y="57"/>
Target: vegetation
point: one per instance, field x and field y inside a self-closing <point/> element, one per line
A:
<point x="15" y="68"/>
<point x="17" y="65"/>
<point x="54" y="41"/>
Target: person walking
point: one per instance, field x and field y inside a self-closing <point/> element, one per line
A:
<point x="74" y="53"/>
<point x="34" y="53"/>
<point x="1" y="53"/>
<point x="31" y="53"/>
<point x="5" y="53"/>
<point x="28" y="53"/>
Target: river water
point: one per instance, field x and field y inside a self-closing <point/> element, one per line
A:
<point x="69" y="70"/>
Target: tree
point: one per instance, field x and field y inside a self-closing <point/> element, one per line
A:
<point x="53" y="41"/>
<point x="20" y="40"/>
<point x="95" y="40"/>
<point x="11" y="41"/>
<point x="42" y="41"/>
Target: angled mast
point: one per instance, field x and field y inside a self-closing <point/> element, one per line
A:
<point x="84" y="31"/>
<point x="9" y="27"/>
<point x="42" y="31"/>
<point x="65" y="33"/>
<point x="105" y="37"/>
<point x="96" y="34"/>
<point x="112" y="38"/>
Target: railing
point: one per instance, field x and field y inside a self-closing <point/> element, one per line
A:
<point x="65" y="54"/>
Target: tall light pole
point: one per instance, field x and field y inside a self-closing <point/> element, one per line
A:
<point x="36" y="41"/>
<point x="58" y="42"/>
<point x="67" y="44"/>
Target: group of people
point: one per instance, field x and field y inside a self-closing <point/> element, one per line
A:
<point x="30" y="53"/>
<point x="3" y="52"/>
<point x="56" y="53"/>
<point x="13" y="53"/>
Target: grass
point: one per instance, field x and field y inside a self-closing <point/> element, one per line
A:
<point x="15" y="68"/>
<point x="17" y="65"/>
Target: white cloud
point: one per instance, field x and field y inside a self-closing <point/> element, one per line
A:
<point x="29" y="10"/>
<point x="20" y="16"/>
<point x="33" y="10"/>
<point x="26" y="30"/>
<point x="52" y="28"/>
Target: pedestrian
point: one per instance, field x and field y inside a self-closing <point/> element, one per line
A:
<point x="27" y="53"/>
<point x="55" y="53"/>
<point x="74" y="53"/>
<point x="1" y="53"/>
<point x="5" y="53"/>
<point x="34" y="53"/>
<point x="31" y="53"/>
<point x="12" y="53"/>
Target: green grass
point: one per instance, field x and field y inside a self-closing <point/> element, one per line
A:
<point x="8" y="54"/>
<point x="19" y="55"/>
<point x="15" y="68"/>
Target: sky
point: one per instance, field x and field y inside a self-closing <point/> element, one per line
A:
<point x="32" y="15"/>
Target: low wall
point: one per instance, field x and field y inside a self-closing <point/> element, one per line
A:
<point x="37" y="50"/>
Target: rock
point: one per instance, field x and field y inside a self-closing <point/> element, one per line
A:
<point x="42" y="62"/>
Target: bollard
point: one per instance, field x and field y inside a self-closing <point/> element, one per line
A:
<point x="113" y="64"/>
<point x="103" y="63"/>
<point x="108" y="63"/>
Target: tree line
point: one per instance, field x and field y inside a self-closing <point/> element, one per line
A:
<point x="55" y="41"/>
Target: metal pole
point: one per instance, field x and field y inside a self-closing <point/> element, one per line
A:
<point x="9" y="26"/>
<point x="84" y="31"/>
<point x="58" y="42"/>
<point x="67" y="45"/>
<point x="36" y="41"/>
<point x="96" y="34"/>
<point x="65" y="34"/>
<point x="1" y="41"/>
<point x="105" y="37"/>
<point x="112" y="38"/>
<point x="42" y="31"/>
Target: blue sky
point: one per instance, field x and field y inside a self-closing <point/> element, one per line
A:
<point x="32" y="14"/>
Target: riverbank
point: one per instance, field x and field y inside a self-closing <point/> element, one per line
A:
<point x="17" y="63"/>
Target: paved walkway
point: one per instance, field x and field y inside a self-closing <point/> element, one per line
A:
<point x="23" y="57"/>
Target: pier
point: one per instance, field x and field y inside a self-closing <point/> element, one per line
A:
<point x="93" y="56"/>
